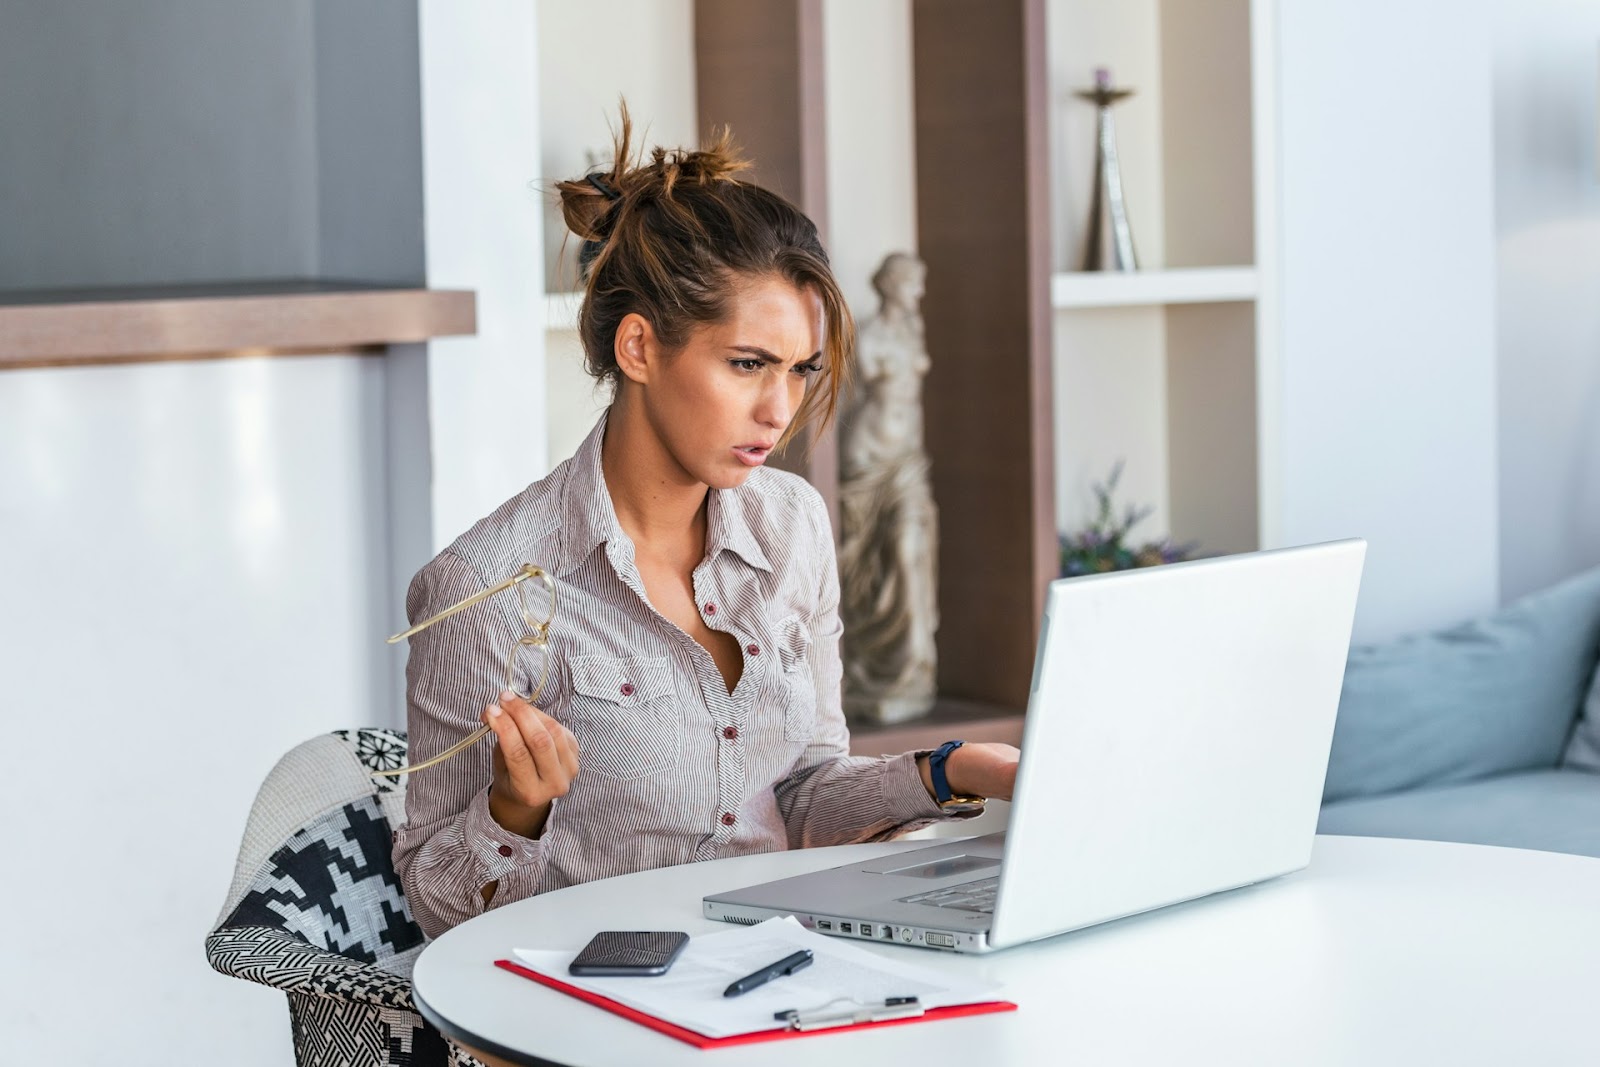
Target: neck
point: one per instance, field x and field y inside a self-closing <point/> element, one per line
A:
<point x="658" y="504"/>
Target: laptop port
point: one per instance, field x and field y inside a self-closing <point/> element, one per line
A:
<point x="824" y="924"/>
<point x="888" y="933"/>
<point x="939" y="940"/>
<point x="847" y="928"/>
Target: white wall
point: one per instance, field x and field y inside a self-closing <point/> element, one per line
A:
<point x="480" y="160"/>
<point x="872" y="194"/>
<point x="194" y="571"/>
<point x="1388" y="406"/>
<point x="200" y="560"/>
<point x="1547" y="222"/>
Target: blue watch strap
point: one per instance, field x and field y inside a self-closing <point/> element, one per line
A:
<point x="936" y="758"/>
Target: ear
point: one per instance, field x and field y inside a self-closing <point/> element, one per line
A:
<point x="636" y="349"/>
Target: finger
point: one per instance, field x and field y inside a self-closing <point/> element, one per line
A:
<point x="520" y="765"/>
<point x="566" y="744"/>
<point x="536" y="740"/>
<point x="568" y="747"/>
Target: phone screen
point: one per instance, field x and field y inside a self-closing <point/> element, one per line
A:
<point x="624" y="952"/>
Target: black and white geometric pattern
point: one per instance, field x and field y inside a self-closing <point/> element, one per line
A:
<point x="324" y="920"/>
<point x="378" y="750"/>
<point x="333" y="883"/>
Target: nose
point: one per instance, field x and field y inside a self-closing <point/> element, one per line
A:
<point x="776" y="406"/>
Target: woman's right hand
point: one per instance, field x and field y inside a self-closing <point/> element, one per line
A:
<point x="535" y="760"/>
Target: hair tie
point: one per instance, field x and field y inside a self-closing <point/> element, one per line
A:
<point x="602" y="188"/>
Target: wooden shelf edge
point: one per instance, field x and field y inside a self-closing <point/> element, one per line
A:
<point x="164" y="328"/>
<point x="1197" y="285"/>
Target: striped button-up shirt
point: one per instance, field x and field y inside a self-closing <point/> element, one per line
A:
<point x="673" y="767"/>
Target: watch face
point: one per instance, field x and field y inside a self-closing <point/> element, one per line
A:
<point x="962" y="805"/>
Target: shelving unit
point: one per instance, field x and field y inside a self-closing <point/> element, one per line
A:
<point x="1082" y="290"/>
<point x="1172" y="368"/>
<point x="1045" y="375"/>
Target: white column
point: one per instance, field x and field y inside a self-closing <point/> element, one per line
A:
<point x="485" y="398"/>
<point x="1387" y="403"/>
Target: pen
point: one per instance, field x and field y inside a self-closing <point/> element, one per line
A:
<point x="821" y="1018"/>
<point x="787" y="965"/>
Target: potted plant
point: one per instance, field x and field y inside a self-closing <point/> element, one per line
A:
<point x="1103" y="545"/>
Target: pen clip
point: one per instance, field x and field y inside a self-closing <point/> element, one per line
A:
<point x="819" y="1018"/>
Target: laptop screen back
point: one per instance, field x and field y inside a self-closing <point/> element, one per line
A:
<point x="1177" y="734"/>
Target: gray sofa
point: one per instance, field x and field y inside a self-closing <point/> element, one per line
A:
<point x="1487" y="732"/>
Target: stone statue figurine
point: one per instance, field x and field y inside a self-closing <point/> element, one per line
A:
<point x="888" y="561"/>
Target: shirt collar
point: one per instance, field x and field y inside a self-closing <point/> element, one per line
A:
<point x="591" y="520"/>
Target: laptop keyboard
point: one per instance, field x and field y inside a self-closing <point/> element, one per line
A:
<point x="968" y="896"/>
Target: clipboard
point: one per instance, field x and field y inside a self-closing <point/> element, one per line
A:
<point x="954" y="1011"/>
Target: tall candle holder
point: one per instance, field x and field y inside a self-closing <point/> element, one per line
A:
<point x="1110" y="241"/>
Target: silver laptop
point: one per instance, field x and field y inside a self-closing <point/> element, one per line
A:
<point x="1175" y="746"/>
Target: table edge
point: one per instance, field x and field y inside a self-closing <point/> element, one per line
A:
<point x="463" y="1036"/>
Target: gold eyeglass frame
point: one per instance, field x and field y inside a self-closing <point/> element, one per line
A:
<point x="537" y="636"/>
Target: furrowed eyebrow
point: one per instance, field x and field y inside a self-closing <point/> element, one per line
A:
<point x="765" y="356"/>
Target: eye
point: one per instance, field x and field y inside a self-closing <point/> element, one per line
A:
<point x="806" y="370"/>
<point x="747" y="365"/>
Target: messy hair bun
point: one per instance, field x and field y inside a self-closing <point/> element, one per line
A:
<point x="667" y="237"/>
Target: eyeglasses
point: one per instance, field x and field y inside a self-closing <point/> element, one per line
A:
<point x="537" y="636"/>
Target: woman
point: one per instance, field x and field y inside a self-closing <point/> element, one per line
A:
<point x="692" y="707"/>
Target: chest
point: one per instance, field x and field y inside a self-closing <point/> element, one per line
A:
<point x="671" y="591"/>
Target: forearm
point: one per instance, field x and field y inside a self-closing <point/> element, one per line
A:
<point x="455" y="869"/>
<point x="848" y="799"/>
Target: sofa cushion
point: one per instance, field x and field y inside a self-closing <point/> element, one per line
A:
<point x="1486" y="697"/>
<point x="1554" y="810"/>
<point x="1584" y="751"/>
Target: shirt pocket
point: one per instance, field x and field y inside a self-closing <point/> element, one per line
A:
<point x="798" y="685"/>
<point x="624" y="715"/>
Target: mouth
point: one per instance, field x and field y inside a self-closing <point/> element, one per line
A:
<point x="754" y="455"/>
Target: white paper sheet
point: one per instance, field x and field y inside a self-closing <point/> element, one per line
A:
<point x="690" y="994"/>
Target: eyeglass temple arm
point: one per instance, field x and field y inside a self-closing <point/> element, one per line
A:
<point x="528" y="571"/>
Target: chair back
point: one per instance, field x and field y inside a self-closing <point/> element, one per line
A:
<point x="315" y="908"/>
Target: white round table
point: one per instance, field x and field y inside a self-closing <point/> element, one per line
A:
<point x="1381" y="952"/>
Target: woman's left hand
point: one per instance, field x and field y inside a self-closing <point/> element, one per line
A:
<point x="980" y="769"/>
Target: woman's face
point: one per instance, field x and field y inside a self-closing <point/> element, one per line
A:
<point x="721" y="402"/>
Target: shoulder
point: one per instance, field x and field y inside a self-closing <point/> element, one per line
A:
<point x="785" y="513"/>
<point x="524" y="529"/>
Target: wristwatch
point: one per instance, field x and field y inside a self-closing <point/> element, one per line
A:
<point x="953" y="804"/>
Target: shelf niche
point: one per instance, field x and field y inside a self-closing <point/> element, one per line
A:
<point x="1026" y="352"/>
<point x="1158" y="368"/>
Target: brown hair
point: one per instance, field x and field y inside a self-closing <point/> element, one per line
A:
<point x="665" y="239"/>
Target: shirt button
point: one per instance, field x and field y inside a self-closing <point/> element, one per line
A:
<point x="505" y="850"/>
<point x="730" y="732"/>
<point x="711" y="609"/>
<point x="754" y="650"/>
<point x="727" y="818"/>
<point x="627" y="689"/>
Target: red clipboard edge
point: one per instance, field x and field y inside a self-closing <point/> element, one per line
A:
<point x="699" y="1040"/>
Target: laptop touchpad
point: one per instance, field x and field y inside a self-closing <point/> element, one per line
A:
<point x="943" y="868"/>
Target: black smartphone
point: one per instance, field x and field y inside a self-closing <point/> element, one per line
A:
<point x="629" y="952"/>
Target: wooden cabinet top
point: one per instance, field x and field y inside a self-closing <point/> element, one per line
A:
<point x="57" y="328"/>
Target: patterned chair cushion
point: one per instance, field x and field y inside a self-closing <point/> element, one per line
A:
<point x="316" y="909"/>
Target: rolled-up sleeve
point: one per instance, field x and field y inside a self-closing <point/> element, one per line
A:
<point x="450" y="847"/>
<point x="832" y="797"/>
